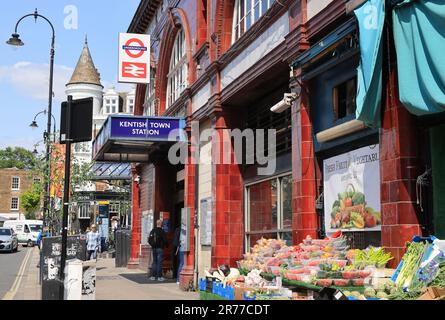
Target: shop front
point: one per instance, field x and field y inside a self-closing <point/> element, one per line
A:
<point x="157" y="185"/>
<point x="368" y="135"/>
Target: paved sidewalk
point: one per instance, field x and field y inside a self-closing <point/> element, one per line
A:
<point x="111" y="284"/>
<point x="128" y="284"/>
<point x="29" y="288"/>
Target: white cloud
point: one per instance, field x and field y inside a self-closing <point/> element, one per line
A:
<point x="32" y="79"/>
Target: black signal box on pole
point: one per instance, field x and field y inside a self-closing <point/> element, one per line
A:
<point x="81" y="120"/>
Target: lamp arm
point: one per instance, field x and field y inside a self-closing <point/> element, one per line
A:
<point x="35" y="117"/>
<point x="35" y="15"/>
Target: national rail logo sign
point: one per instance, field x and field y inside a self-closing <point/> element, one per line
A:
<point x="134" y="58"/>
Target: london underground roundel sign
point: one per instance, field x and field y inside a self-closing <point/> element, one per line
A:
<point x="134" y="58"/>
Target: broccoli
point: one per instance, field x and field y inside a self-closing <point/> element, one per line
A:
<point x="358" y="198"/>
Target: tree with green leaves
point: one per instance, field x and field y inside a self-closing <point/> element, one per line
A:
<point x="30" y="201"/>
<point x="18" y="157"/>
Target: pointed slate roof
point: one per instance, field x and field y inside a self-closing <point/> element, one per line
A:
<point x="85" y="71"/>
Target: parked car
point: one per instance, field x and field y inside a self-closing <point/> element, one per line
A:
<point x="8" y="240"/>
<point x="26" y="230"/>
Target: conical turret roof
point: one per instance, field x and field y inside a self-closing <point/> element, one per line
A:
<point x="85" y="71"/>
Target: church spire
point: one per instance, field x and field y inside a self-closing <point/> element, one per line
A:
<point x="85" y="71"/>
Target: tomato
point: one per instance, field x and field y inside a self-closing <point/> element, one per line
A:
<point x="358" y="282"/>
<point x="364" y="273"/>
<point x="349" y="274"/>
<point x="348" y="202"/>
<point x="324" y="282"/>
<point x="341" y="282"/>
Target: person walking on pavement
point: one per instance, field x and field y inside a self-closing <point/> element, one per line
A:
<point x="178" y="252"/>
<point x="42" y="234"/>
<point x="158" y="241"/>
<point x="93" y="243"/>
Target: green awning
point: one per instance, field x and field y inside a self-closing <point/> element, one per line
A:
<point x="370" y="18"/>
<point x="419" y="33"/>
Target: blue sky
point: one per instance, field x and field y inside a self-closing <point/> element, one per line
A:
<point x="24" y="72"/>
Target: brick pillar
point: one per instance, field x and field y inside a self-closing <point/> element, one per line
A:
<point x="398" y="173"/>
<point x="304" y="216"/>
<point x="135" y="223"/>
<point x="227" y="247"/>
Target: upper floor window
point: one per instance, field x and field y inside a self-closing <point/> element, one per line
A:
<point x="149" y="101"/>
<point x="107" y="108"/>
<point x="15" y="183"/>
<point x="130" y="105"/>
<point x="343" y="96"/>
<point x="178" y="70"/>
<point x="246" y="13"/>
<point x="14" y="203"/>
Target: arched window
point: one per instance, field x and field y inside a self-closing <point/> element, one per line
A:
<point x="149" y="101"/>
<point x="246" y="13"/>
<point x="178" y="71"/>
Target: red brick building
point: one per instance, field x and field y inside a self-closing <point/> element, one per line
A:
<point x="225" y="63"/>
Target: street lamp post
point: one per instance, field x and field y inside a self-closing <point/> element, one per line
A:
<point x="16" y="41"/>
<point x="47" y="141"/>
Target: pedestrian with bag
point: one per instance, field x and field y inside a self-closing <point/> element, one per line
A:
<point x="157" y="239"/>
<point x="93" y="243"/>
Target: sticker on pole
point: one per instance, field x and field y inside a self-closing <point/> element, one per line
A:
<point x="134" y="58"/>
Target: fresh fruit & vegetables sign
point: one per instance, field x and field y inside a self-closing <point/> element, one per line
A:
<point x="351" y="183"/>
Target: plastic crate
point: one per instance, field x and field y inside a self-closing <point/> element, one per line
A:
<point x="415" y="239"/>
<point x="215" y="287"/>
<point x="202" y="284"/>
<point x="354" y="298"/>
<point x="228" y="292"/>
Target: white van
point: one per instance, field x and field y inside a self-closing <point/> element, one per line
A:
<point x="26" y="230"/>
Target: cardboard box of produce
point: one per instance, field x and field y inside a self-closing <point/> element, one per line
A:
<point x="239" y="292"/>
<point x="432" y="293"/>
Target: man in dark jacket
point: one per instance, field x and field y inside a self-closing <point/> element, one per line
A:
<point x="158" y="241"/>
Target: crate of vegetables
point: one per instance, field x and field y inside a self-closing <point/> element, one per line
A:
<point x="417" y="251"/>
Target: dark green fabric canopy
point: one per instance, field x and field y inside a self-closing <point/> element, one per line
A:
<point x="419" y="35"/>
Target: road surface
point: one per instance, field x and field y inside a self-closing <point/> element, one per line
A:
<point x="10" y="264"/>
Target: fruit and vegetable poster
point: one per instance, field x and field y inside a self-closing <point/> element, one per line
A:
<point x="351" y="183"/>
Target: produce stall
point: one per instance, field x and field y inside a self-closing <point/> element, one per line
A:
<point x="273" y="270"/>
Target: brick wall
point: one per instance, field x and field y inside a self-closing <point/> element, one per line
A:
<point x="6" y="192"/>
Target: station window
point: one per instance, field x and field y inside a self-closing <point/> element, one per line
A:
<point x="246" y="13"/>
<point x="178" y="70"/>
<point x="269" y="210"/>
<point x="343" y="98"/>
